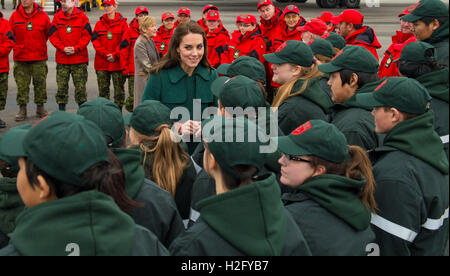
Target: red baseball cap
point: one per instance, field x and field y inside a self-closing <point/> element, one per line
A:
<point x="210" y="7"/>
<point x="291" y="8"/>
<point x="140" y="10"/>
<point x="315" y="26"/>
<point x="349" y="16"/>
<point x="408" y="10"/>
<point x="326" y="16"/>
<point x="246" y="18"/>
<point x="167" y="15"/>
<point x="212" y="15"/>
<point x="264" y="3"/>
<point x="184" y="10"/>
<point x="109" y="2"/>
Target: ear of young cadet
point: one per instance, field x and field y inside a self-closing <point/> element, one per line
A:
<point x="411" y="176"/>
<point x="231" y="222"/>
<point x="159" y="212"/>
<point x="72" y="196"/>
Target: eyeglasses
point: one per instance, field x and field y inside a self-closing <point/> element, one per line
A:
<point x="289" y="17"/>
<point x="288" y="158"/>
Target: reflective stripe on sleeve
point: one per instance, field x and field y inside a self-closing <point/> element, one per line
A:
<point x="393" y="229"/>
<point x="435" y="224"/>
<point x="444" y="139"/>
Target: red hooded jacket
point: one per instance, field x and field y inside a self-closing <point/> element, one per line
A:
<point x="162" y="39"/>
<point x="7" y="41"/>
<point x="106" y="40"/>
<point x="366" y="38"/>
<point x="388" y="68"/>
<point x="292" y="35"/>
<point x="272" y="31"/>
<point x="127" y="47"/>
<point x="31" y="33"/>
<point x="251" y="44"/>
<point x="71" y="31"/>
<point x="217" y="43"/>
<point x="202" y="24"/>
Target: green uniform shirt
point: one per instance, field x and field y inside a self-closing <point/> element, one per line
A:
<point x="439" y="39"/>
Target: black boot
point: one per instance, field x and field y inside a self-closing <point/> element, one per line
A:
<point x="2" y="124"/>
<point x="62" y="107"/>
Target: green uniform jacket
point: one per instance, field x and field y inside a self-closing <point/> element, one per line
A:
<point x="356" y="122"/>
<point x="159" y="213"/>
<point x="331" y="216"/>
<point x="437" y="84"/>
<point x="411" y="172"/>
<point x="85" y="224"/>
<point x="250" y="220"/>
<point x="439" y="39"/>
<point x="11" y="205"/>
<point x="312" y="104"/>
<point x="174" y="88"/>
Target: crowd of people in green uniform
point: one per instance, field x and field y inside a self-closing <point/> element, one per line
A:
<point x="257" y="145"/>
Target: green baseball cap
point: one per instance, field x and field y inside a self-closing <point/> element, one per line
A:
<point x="149" y="115"/>
<point x="292" y="51"/>
<point x="238" y="91"/>
<point x="336" y="40"/>
<point x="418" y="51"/>
<point x="355" y="58"/>
<point x="127" y="118"/>
<point x="233" y="141"/>
<point x="322" y="47"/>
<point x="317" y="138"/>
<point x="404" y="94"/>
<point x="63" y="145"/>
<point x="427" y="8"/>
<point x="107" y="116"/>
<point x="246" y="66"/>
<point x="8" y="138"/>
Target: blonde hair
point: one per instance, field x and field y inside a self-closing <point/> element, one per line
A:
<point x="168" y="158"/>
<point x="284" y="91"/>
<point x="146" y="22"/>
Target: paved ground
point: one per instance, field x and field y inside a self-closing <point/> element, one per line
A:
<point x="383" y="19"/>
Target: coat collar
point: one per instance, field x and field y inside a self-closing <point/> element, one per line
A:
<point x="176" y="73"/>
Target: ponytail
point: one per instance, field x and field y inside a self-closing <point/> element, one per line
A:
<point x="164" y="160"/>
<point x="284" y="91"/>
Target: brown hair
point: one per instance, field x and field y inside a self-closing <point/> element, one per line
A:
<point x="285" y="90"/>
<point x="323" y="59"/>
<point x="167" y="161"/>
<point x="172" y="58"/>
<point x="357" y="168"/>
<point x="6" y="170"/>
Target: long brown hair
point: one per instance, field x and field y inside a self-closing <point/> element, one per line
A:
<point x="285" y="90"/>
<point x="358" y="167"/>
<point x="172" y="58"/>
<point x="164" y="160"/>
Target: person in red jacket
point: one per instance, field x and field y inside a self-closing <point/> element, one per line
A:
<point x="388" y="65"/>
<point x="246" y="41"/>
<point x="184" y="15"/>
<point x="292" y="20"/>
<point x="70" y="33"/>
<point x="355" y="33"/>
<point x="6" y="44"/>
<point x="206" y="9"/>
<point x="164" y="33"/>
<point x="108" y="33"/>
<point x="327" y="18"/>
<point x="127" y="53"/>
<point x="30" y="26"/>
<point x="313" y="29"/>
<point x="271" y="24"/>
<point x="218" y="38"/>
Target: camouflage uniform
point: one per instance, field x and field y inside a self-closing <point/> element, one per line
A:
<point x="3" y="89"/>
<point x="24" y="71"/>
<point x="104" y="79"/>
<point x="79" y="77"/>
<point x="130" y="100"/>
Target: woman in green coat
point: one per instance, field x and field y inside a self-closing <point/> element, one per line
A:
<point x="300" y="97"/>
<point x="183" y="78"/>
<point x="334" y="195"/>
<point x="246" y="216"/>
